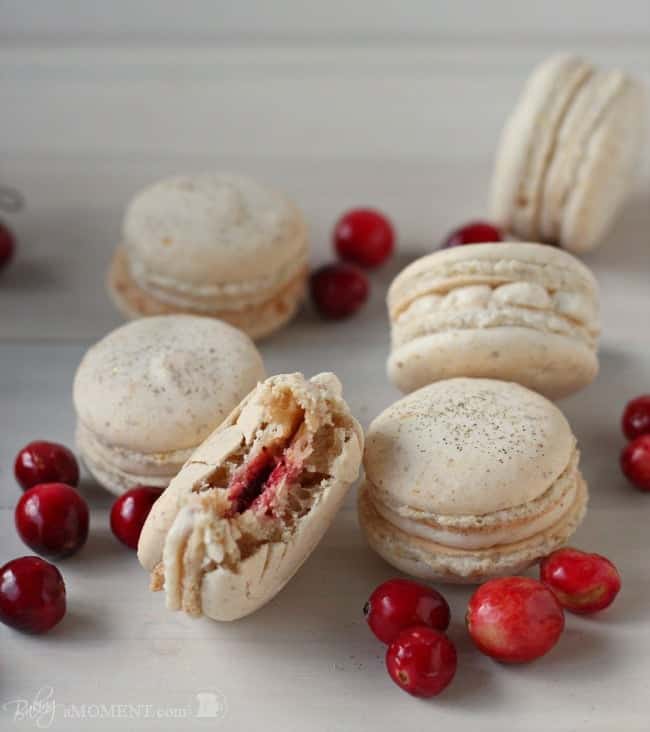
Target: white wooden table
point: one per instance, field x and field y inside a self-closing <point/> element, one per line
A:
<point x="381" y="104"/>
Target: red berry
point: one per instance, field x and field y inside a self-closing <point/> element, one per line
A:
<point x="52" y="519"/>
<point x="476" y="232"/>
<point x="583" y="583"/>
<point x="130" y="511"/>
<point x="45" y="462"/>
<point x="635" y="462"/>
<point x="514" y="619"/>
<point x="339" y="290"/>
<point x="636" y="417"/>
<point x="400" y="603"/>
<point x="422" y="661"/>
<point x="364" y="236"/>
<point x="32" y="595"/>
<point x="7" y="245"/>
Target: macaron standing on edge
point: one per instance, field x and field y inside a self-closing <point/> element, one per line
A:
<point x="150" y="392"/>
<point x="469" y="479"/>
<point x="513" y="311"/>
<point x="255" y="498"/>
<point x="568" y="154"/>
<point x="218" y="245"/>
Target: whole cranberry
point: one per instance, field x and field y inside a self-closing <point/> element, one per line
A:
<point x="636" y="417"/>
<point x="399" y="603"/>
<point x="52" y="519"/>
<point x="422" y="661"/>
<point x="476" y="232"/>
<point x="583" y="583"/>
<point x="45" y="462"/>
<point x="364" y="236"/>
<point x="514" y="619"/>
<point x="7" y="245"/>
<point x="339" y="290"/>
<point x="130" y="511"/>
<point x="32" y="595"/>
<point x="635" y="462"/>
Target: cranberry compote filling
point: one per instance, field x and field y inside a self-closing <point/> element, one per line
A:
<point x="248" y="483"/>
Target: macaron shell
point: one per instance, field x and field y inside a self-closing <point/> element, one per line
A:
<point x="162" y="384"/>
<point x="550" y="364"/>
<point x="256" y="320"/>
<point x="437" y="563"/>
<point x="468" y="446"/>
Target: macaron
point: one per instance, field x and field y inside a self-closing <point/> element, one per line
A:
<point x="469" y="479"/>
<point x="218" y="245"/>
<point x="519" y="312"/>
<point x="255" y="498"/>
<point x="150" y="392"/>
<point x="568" y="154"/>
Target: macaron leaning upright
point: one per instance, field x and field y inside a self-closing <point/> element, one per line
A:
<point x="469" y="479"/>
<point x="514" y="311"/>
<point x="150" y="392"/>
<point x="568" y="154"/>
<point x="218" y="245"/>
<point x="254" y="500"/>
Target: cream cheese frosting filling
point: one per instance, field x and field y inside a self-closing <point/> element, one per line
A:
<point x="502" y="527"/>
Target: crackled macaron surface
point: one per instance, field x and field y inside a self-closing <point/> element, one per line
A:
<point x="568" y="153"/>
<point x="519" y="312"/>
<point x="150" y="392"/>
<point x="255" y="499"/>
<point x="213" y="244"/>
<point x="470" y="478"/>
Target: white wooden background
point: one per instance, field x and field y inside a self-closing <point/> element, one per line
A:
<point x="394" y="104"/>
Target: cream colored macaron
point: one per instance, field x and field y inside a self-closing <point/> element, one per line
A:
<point x="469" y="479"/>
<point x="213" y="244"/>
<point x="255" y="499"/>
<point x="519" y="312"/>
<point x="568" y="153"/>
<point x="151" y="391"/>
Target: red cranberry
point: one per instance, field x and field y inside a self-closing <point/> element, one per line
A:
<point x="514" y="619"/>
<point x="52" y="519"/>
<point x="32" y="595"/>
<point x="7" y="245"/>
<point x="422" y="661"/>
<point x="45" y="462"/>
<point x="339" y="290"/>
<point x="636" y="417"/>
<point x="476" y="232"/>
<point x="364" y="236"/>
<point x="583" y="583"/>
<point x="635" y="462"/>
<point x="130" y="511"/>
<point x="400" y="603"/>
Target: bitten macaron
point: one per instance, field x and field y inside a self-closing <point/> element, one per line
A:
<point x="568" y="154"/>
<point x="519" y="312"/>
<point x="254" y="500"/>
<point x="469" y="479"/>
<point x="218" y="245"/>
<point x="151" y="391"/>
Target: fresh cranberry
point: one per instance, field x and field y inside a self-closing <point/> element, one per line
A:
<point x="45" y="462"/>
<point x="339" y="290"/>
<point x="636" y="417"/>
<point x="364" y="236"/>
<point x="422" y="661"/>
<point x="400" y="603"/>
<point x="635" y="462"/>
<point x="32" y="595"/>
<point x="52" y="519"/>
<point x="7" y="245"/>
<point x="514" y="619"/>
<point x="583" y="583"/>
<point x="476" y="232"/>
<point x="130" y="511"/>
